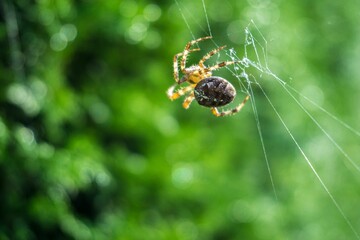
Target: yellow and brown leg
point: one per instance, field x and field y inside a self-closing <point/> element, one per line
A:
<point x="216" y="112"/>
<point x="188" y="100"/>
<point x="207" y="56"/>
<point x="220" y="65"/>
<point x="175" y="95"/>
<point x="176" y="64"/>
<point x="187" y="51"/>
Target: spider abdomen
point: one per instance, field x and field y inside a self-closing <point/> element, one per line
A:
<point x="214" y="92"/>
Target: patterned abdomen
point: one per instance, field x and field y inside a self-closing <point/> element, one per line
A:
<point x="214" y="92"/>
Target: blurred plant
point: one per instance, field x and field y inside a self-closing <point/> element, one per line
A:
<point x="90" y="147"/>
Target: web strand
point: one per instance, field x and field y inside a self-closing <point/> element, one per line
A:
<point x="258" y="125"/>
<point x="183" y="9"/>
<point x="184" y="18"/>
<point x="347" y="126"/>
<point x="206" y="16"/>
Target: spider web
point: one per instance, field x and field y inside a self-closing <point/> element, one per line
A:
<point x="251" y="80"/>
<point x="251" y="68"/>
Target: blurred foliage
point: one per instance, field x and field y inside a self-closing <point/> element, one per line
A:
<point x="91" y="148"/>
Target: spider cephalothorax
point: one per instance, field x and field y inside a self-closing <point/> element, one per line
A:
<point x="207" y="90"/>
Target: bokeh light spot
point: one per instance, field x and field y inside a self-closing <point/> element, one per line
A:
<point x="25" y="136"/>
<point x="69" y="31"/>
<point x="99" y="112"/>
<point x="137" y="31"/>
<point x="259" y="3"/>
<point x="240" y="211"/>
<point x="233" y="32"/>
<point x="136" y="164"/>
<point x="46" y="150"/>
<point x="76" y="227"/>
<point x="103" y="179"/>
<point x="58" y="42"/>
<point x="128" y="8"/>
<point x="167" y="124"/>
<point x="20" y="95"/>
<point x="270" y="16"/>
<point x="313" y="93"/>
<point x="3" y="131"/>
<point x="152" y="12"/>
<point x="220" y="11"/>
<point x="182" y="176"/>
<point x="187" y="230"/>
<point x="152" y="40"/>
<point x="39" y="88"/>
<point x="47" y="17"/>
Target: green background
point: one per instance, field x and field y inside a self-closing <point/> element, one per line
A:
<point x="91" y="148"/>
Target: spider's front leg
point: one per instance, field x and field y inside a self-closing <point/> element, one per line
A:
<point x="220" y="65"/>
<point x="216" y="112"/>
<point x="207" y="56"/>
<point x="176" y="64"/>
<point x="187" y="51"/>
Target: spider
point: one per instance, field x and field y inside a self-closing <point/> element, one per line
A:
<point x="209" y="91"/>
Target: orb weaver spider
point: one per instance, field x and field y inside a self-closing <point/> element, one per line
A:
<point x="209" y="91"/>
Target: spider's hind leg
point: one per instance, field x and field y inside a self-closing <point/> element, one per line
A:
<point x="188" y="100"/>
<point x="216" y="112"/>
<point x="172" y="94"/>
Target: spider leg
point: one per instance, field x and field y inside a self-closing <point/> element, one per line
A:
<point x="188" y="100"/>
<point x="207" y="56"/>
<point x="216" y="112"/>
<point x="176" y="64"/>
<point x="219" y="65"/>
<point x="187" y="51"/>
<point x="175" y="95"/>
